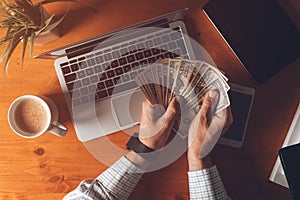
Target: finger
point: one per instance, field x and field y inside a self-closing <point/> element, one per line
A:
<point x="172" y="112"/>
<point x="221" y="121"/>
<point x="209" y="103"/>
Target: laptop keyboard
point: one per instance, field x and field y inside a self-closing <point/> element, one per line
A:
<point x="108" y="71"/>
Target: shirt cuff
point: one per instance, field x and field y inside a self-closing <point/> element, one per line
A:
<point x="121" y="178"/>
<point x="206" y="184"/>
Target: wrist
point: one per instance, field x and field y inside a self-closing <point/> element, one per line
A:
<point x="197" y="163"/>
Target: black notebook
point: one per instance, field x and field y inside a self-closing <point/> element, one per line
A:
<point x="259" y="32"/>
<point x="290" y="160"/>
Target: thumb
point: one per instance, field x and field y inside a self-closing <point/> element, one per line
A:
<point x="172" y="112"/>
<point x="209" y="103"/>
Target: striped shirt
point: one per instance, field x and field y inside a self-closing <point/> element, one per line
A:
<point x="119" y="180"/>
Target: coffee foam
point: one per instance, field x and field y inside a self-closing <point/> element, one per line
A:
<point x="31" y="116"/>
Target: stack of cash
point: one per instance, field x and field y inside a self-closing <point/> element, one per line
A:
<point x="190" y="79"/>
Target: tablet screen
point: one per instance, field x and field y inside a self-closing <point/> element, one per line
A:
<point x="240" y="108"/>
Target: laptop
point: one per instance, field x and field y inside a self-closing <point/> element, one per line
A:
<point x="97" y="75"/>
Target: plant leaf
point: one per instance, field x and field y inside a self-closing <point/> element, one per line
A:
<point x="25" y="39"/>
<point x="31" y="44"/>
<point x="13" y="44"/>
<point x="47" y="23"/>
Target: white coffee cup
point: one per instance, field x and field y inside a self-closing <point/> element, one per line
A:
<point x="31" y="116"/>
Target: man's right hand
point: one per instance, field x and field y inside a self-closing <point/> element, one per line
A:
<point x="205" y="130"/>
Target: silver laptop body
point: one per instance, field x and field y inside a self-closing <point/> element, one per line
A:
<point x="97" y="75"/>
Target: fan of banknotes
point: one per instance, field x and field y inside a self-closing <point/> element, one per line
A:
<point x="190" y="79"/>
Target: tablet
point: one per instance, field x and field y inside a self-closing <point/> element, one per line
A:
<point x="241" y="100"/>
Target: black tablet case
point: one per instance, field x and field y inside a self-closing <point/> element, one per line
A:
<point x="259" y="32"/>
<point x="290" y="160"/>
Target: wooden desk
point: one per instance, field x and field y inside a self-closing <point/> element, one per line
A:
<point x="48" y="167"/>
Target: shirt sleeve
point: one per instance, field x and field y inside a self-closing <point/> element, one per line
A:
<point x="117" y="182"/>
<point x="206" y="184"/>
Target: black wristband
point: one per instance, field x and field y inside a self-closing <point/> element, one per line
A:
<point x="137" y="146"/>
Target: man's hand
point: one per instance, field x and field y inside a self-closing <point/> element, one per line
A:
<point x="205" y="130"/>
<point x="156" y="124"/>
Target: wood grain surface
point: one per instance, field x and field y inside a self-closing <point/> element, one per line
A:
<point x="48" y="167"/>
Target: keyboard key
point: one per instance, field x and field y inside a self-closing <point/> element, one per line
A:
<point x="72" y="61"/>
<point x="77" y="84"/>
<point x="92" y="96"/>
<point x="86" y="81"/>
<point x="101" y="94"/>
<point x="98" y="69"/>
<point x="84" y="91"/>
<point x="91" y="62"/>
<point x="147" y="53"/>
<point x="107" y="57"/>
<point x="149" y="44"/>
<point x="124" y="51"/>
<point x="70" y="86"/>
<point x="89" y="71"/>
<point x="116" y="80"/>
<point x="155" y="51"/>
<point x="83" y="65"/>
<point x="141" y="46"/>
<point x="70" y="77"/>
<point x="161" y="56"/>
<point x="143" y="63"/>
<point x="90" y="55"/>
<point x="135" y="65"/>
<point x="64" y="64"/>
<point x="116" y="47"/>
<point x="74" y="85"/>
<point x="99" y="59"/>
<point x="139" y="56"/>
<point x="102" y="76"/>
<point x="110" y="91"/>
<point x="100" y="86"/>
<point x="92" y="88"/>
<point x="125" y="78"/>
<point x="81" y="59"/>
<point x="181" y="45"/>
<point x="165" y="38"/>
<point x="75" y="94"/>
<point x="175" y="35"/>
<point x="109" y="83"/>
<point x="116" y="54"/>
<point x="123" y="61"/>
<point x="132" y="48"/>
<point x="107" y="50"/>
<point x="114" y="64"/>
<point x="94" y="79"/>
<point x="110" y="73"/>
<point x="126" y="68"/>
<point x="66" y="70"/>
<point x="172" y="45"/>
<point x="130" y="58"/>
<point x="163" y="47"/>
<point x="76" y="102"/>
<point x="119" y="71"/>
<point x="74" y="67"/>
<point x="124" y="87"/>
<point x="169" y="55"/>
<point x="157" y="41"/>
<point x="151" y="60"/>
<point x="81" y="74"/>
<point x="133" y="75"/>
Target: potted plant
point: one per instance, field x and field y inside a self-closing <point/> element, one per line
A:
<point x="24" y="21"/>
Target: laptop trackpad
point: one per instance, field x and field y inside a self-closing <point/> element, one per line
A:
<point x="127" y="109"/>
